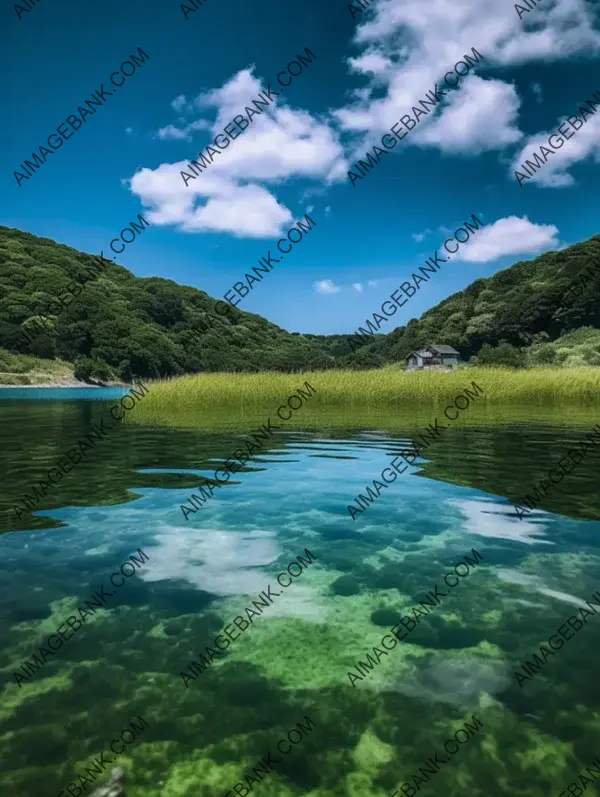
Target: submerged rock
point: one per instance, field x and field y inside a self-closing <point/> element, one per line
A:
<point x="385" y="617"/>
<point x="346" y="585"/>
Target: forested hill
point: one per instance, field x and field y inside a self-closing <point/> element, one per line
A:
<point x="142" y="327"/>
<point x="537" y="301"/>
<point x="124" y="326"/>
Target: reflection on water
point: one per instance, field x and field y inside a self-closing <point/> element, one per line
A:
<point x="201" y="573"/>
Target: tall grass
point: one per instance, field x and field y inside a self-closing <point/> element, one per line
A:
<point x="192" y="400"/>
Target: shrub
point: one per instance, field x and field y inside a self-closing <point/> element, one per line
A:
<point x="501" y="355"/>
<point x="542" y="354"/>
<point x="87" y="370"/>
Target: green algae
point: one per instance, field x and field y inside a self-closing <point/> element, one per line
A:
<point x="294" y="660"/>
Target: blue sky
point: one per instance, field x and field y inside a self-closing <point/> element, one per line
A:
<point x="367" y="73"/>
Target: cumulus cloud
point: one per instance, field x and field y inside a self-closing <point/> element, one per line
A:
<point x="245" y="210"/>
<point x="357" y="286"/>
<point x="372" y="283"/>
<point x="466" y="126"/>
<point x="583" y="144"/>
<point x="408" y="46"/>
<point x="404" y="48"/>
<point x="232" y="195"/>
<point x="509" y="236"/>
<point x="326" y="286"/>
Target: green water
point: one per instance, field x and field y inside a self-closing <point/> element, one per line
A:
<point x="293" y="662"/>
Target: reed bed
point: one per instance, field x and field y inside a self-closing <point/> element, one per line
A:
<point x="194" y="399"/>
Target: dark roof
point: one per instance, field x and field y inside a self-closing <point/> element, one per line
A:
<point x="421" y="353"/>
<point x="443" y="349"/>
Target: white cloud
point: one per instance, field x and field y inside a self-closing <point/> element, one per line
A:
<point x="173" y="133"/>
<point x="404" y="47"/>
<point x="182" y="133"/>
<point x="247" y="210"/>
<point x="279" y="144"/>
<point x="179" y="103"/>
<point x="243" y="210"/>
<point x="508" y="236"/>
<point x="372" y="283"/>
<point x="583" y="144"/>
<point x="537" y="90"/>
<point x="372" y="62"/>
<point x="467" y="127"/>
<point x="408" y="46"/>
<point x="129" y="130"/>
<point x="227" y="197"/>
<point x="357" y="286"/>
<point x="420" y="236"/>
<point x="326" y="287"/>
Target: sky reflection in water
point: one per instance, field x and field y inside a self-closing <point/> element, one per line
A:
<point x="295" y="658"/>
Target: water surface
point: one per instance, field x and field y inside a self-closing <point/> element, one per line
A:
<point x="62" y="393"/>
<point x="294" y="660"/>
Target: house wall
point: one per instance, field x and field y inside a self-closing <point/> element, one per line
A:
<point x="448" y="361"/>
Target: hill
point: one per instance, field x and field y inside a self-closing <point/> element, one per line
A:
<point x="121" y="326"/>
<point x="113" y="325"/>
<point x="496" y="318"/>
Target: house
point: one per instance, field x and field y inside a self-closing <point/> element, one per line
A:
<point x="434" y="356"/>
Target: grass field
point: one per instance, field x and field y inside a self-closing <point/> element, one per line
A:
<point x="21" y="369"/>
<point x="197" y="400"/>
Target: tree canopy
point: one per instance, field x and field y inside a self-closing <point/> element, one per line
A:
<point x="134" y="327"/>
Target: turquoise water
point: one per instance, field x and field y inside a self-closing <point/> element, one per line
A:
<point x="62" y="393"/>
<point x="293" y="662"/>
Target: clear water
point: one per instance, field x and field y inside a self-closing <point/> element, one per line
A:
<point x="294" y="660"/>
<point x="62" y="393"/>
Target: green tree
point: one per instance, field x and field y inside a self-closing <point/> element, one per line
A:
<point x="502" y="355"/>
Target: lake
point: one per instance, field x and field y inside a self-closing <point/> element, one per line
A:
<point x="278" y="678"/>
